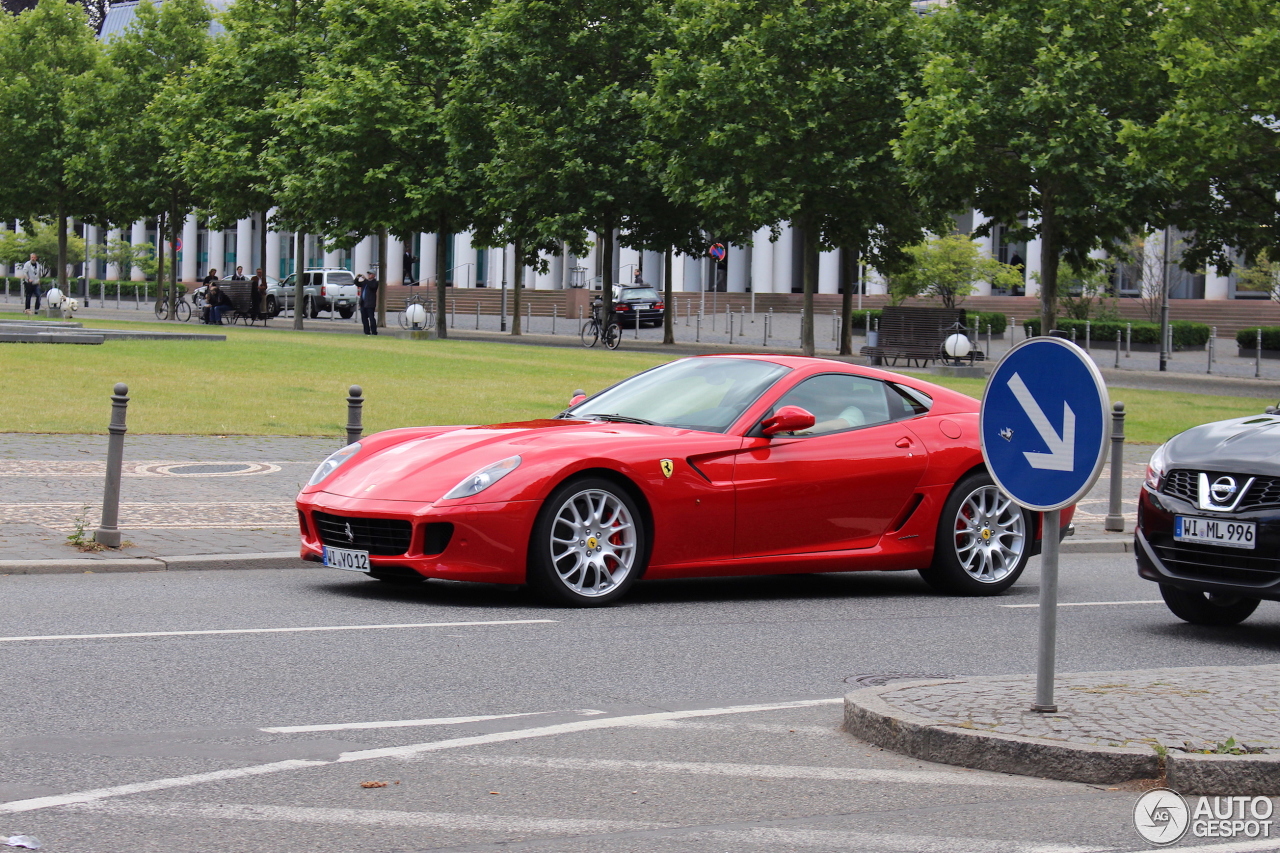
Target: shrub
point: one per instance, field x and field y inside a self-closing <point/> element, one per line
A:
<point x="1185" y="332"/>
<point x="1248" y="338"/>
<point x="978" y="321"/>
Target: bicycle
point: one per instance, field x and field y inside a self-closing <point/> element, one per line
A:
<point x="181" y="310"/>
<point x="428" y="320"/>
<point x="591" y="330"/>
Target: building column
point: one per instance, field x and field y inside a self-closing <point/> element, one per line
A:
<point x="876" y="283"/>
<point x="112" y="272"/>
<point x="761" y="262"/>
<point x="244" y="245"/>
<point x="332" y="258"/>
<point x="1033" y="266"/>
<point x="592" y="260"/>
<point x="829" y="271"/>
<point x="395" y="260"/>
<point x="271" y="263"/>
<point x="691" y="279"/>
<point x="190" y="261"/>
<point x="137" y="236"/>
<point x="738" y="266"/>
<point x="362" y="256"/>
<point x="783" y="261"/>
<point x="986" y="249"/>
<point x="1216" y="285"/>
<point x="217" y="253"/>
<point x="427" y="257"/>
<point x="463" y="254"/>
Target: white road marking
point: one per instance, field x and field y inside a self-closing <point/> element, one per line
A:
<point x="395" y="724"/>
<point x="367" y="817"/>
<point x="275" y="630"/>
<point x="1266" y="845"/>
<point x="1084" y="603"/>
<point x="760" y="771"/>
<point x="397" y="752"/>
<point x="784" y="839"/>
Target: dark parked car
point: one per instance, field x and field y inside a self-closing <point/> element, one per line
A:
<point x="641" y="302"/>
<point x="1209" y="520"/>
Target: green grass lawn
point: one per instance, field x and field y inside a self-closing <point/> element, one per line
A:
<point x="281" y="382"/>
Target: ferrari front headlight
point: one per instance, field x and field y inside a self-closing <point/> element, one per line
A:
<point x="483" y="479"/>
<point x="331" y="464"/>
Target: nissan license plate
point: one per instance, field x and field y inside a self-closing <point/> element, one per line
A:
<point x="1215" y="531"/>
<point x="352" y="561"/>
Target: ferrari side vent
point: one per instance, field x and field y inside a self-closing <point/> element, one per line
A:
<point x="907" y="511"/>
<point x="385" y="537"/>
<point x="435" y="537"/>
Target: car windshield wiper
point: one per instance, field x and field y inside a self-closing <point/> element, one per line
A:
<point x="624" y="419"/>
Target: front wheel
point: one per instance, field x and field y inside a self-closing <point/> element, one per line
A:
<point x="613" y="336"/>
<point x="183" y="311"/>
<point x="590" y="333"/>
<point x="588" y="544"/>
<point x="272" y="310"/>
<point x="162" y="310"/>
<point x="1208" y="608"/>
<point x="983" y="541"/>
<point x="310" y="308"/>
<point x="345" y="313"/>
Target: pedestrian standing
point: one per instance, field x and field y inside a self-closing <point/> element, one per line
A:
<point x="239" y="276"/>
<point x="30" y="273"/>
<point x="369" y="304"/>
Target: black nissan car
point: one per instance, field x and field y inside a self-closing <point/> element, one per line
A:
<point x="1209" y="520"/>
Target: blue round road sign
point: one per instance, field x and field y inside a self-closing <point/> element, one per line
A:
<point x="1044" y="423"/>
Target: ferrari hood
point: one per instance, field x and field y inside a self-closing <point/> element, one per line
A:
<point x="1249" y="445"/>
<point x="423" y="468"/>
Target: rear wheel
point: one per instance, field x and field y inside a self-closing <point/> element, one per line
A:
<point x="1208" y="608"/>
<point x="272" y="310"/>
<point x="310" y="308"/>
<point x="983" y="540"/>
<point x="183" y="311"/>
<point x="588" y="544"/>
<point x="590" y="333"/>
<point x="162" y="310"/>
<point x="613" y="336"/>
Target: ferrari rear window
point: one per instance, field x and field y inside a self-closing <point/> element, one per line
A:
<point x="706" y="394"/>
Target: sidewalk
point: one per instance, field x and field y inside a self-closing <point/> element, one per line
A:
<point x="1111" y="727"/>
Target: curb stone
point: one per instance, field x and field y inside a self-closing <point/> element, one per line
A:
<point x="871" y="718"/>
<point x="192" y="562"/>
<point x="1225" y="775"/>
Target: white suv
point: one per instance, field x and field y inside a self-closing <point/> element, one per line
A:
<point x="322" y="290"/>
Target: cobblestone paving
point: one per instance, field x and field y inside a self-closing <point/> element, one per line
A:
<point x="1192" y="708"/>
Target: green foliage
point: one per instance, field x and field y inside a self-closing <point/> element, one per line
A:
<point x="1216" y="141"/>
<point x="1185" y="333"/>
<point x="125" y="256"/>
<point x="1022" y="104"/>
<point x="945" y="268"/>
<point x="1263" y="275"/>
<point x="1248" y="338"/>
<point x="16" y="247"/>
<point x="1084" y="294"/>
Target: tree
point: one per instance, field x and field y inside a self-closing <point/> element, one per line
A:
<point x="1022" y="105"/>
<point x="16" y="247"/>
<point x="363" y="144"/>
<point x="125" y="255"/>
<point x="767" y="111"/>
<point x="136" y="158"/>
<point x="550" y="88"/>
<point x="48" y="56"/>
<point x="232" y="108"/>
<point x="945" y="268"/>
<point x="1218" y="139"/>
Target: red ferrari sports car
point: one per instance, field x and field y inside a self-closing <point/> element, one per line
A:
<point x="706" y="466"/>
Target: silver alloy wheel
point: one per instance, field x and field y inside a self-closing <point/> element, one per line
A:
<point x="593" y="542"/>
<point x="990" y="535"/>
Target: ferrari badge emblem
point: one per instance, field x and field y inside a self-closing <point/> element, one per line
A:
<point x="668" y="467"/>
<point x="351" y="536"/>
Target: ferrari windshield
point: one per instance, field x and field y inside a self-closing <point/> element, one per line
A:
<point x="695" y="393"/>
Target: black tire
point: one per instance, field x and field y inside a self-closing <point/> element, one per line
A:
<point x="590" y="333"/>
<point x="162" y="310"/>
<point x="983" y="540"/>
<point x="345" y="313"/>
<point x="613" y="336"/>
<point x="575" y="563"/>
<point x="272" y="310"/>
<point x="310" y="308"/>
<point x="1208" y="608"/>
<point x="183" y="311"/>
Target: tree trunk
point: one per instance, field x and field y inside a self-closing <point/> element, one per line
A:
<point x="299" y="264"/>
<point x="62" y="247"/>
<point x="810" y="251"/>
<point x="1048" y="266"/>
<point x="160" y="261"/>
<point x="442" y="269"/>
<point x="382" y="278"/>
<point x="850" y="261"/>
<point x="262" y="251"/>
<point x="517" y="285"/>
<point x="668" y="327"/>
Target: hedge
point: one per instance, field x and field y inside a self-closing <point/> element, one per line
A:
<point x="1248" y="338"/>
<point x="146" y="289"/>
<point x="1185" y="332"/>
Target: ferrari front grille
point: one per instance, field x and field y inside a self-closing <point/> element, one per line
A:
<point x="385" y="537"/>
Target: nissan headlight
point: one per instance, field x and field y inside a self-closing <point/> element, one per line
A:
<point x="483" y="479"/>
<point x="331" y="464"/>
<point x="1156" y="468"/>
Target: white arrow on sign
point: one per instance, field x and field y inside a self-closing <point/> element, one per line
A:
<point x="1062" y="448"/>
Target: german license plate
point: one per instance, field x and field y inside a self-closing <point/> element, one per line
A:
<point x="1215" y="531"/>
<point x="352" y="561"/>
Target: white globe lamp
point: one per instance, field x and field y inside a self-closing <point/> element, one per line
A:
<point x="416" y="315"/>
<point x="54" y="297"/>
<point x="957" y="346"/>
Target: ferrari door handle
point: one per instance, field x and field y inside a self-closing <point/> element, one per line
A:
<point x="903" y="442"/>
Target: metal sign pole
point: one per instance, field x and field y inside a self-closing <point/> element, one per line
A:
<point x="1048" y="613"/>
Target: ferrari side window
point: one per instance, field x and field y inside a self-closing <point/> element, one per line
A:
<point x="908" y="402"/>
<point x="839" y="402"/>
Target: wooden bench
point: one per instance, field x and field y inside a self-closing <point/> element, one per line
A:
<point x="242" y="302"/>
<point x="914" y="334"/>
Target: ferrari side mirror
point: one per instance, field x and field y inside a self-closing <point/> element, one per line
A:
<point x="787" y="419"/>
<point x="578" y="397"/>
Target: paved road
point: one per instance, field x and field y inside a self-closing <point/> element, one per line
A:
<point x="641" y="732"/>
